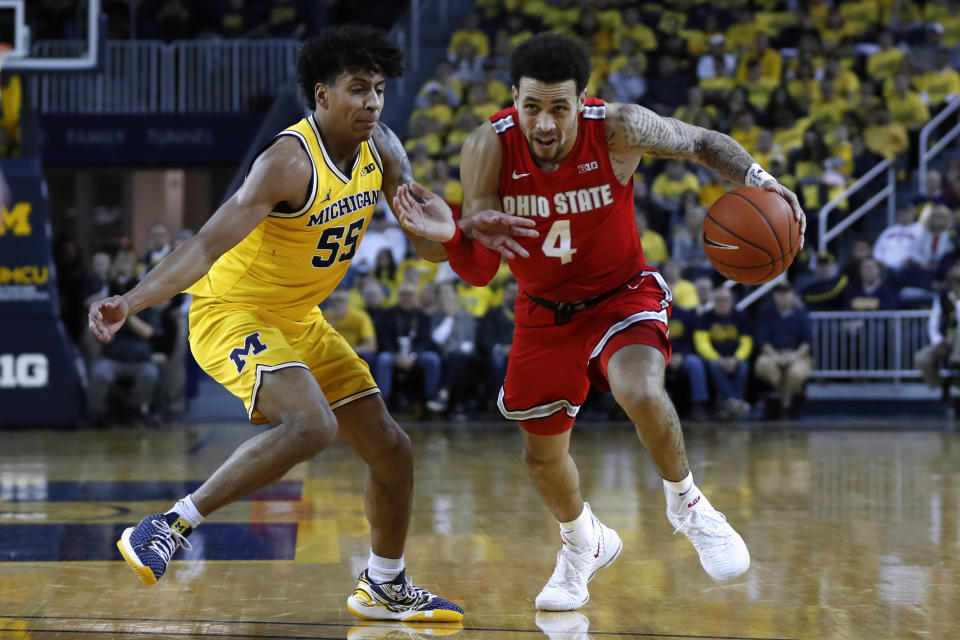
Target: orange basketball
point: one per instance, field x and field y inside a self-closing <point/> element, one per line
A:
<point x="751" y="235"/>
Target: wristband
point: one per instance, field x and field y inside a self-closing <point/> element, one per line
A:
<point x="756" y="176"/>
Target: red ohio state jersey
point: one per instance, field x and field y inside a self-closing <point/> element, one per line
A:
<point x="588" y="243"/>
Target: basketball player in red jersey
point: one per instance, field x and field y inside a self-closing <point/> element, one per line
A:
<point x="592" y="310"/>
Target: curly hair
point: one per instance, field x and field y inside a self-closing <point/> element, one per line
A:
<point x="337" y="49"/>
<point x="549" y="57"/>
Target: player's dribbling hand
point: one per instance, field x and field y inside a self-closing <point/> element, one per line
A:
<point x="424" y="213"/>
<point x="791" y="197"/>
<point x="107" y="316"/>
<point x="494" y="230"/>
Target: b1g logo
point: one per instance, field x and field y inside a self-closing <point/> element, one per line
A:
<point x="24" y="371"/>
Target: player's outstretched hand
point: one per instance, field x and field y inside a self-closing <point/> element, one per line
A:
<point x="494" y="230"/>
<point x="107" y="316"/>
<point x="791" y="197"/>
<point x="424" y="213"/>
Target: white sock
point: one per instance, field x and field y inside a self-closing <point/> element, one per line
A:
<point x="579" y="531"/>
<point x="188" y="511"/>
<point x="676" y="491"/>
<point x="383" y="569"/>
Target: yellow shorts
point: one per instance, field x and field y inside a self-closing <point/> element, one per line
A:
<point x="237" y="343"/>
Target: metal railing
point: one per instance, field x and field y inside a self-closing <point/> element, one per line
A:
<point x="926" y="155"/>
<point x="148" y="76"/>
<point x="888" y="193"/>
<point x="867" y="344"/>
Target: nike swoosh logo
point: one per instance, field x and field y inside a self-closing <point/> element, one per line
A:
<point x="719" y="245"/>
<point x="633" y="286"/>
<point x="519" y="175"/>
<point x="597" y="554"/>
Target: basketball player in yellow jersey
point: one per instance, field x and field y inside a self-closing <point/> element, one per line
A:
<point x="257" y="270"/>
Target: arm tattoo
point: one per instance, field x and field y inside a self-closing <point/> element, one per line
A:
<point x="391" y="145"/>
<point x="645" y="131"/>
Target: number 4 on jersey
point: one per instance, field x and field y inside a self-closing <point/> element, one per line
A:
<point x="557" y="242"/>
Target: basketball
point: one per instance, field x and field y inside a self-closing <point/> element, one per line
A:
<point x="750" y="235"/>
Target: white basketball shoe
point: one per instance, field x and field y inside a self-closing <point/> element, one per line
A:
<point x="566" y="589"/>
<point x="723" y="553"/>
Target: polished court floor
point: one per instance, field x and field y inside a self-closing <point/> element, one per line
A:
<point x="853" y="535"/>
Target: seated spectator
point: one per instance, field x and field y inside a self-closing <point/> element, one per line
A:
<point x="669" y="186"/>
<point x="406" y="347"/>
<point x="685" y="363"/>
<point x="864" y="158"/>
<point x="437" y="110"/>
<point x="950" y="191"/>
<point x="455" y="334"/>
<point x="906" y="106"/>
<point x="722" y="338"/>
<point x="472" y="33"/>
<point x="944" y="347"/>
<point x="828" y="110"/>
<point x="629" y="82"/>
<point x="716" y="61"/>
<point x="705" y="288"/>
<point x="688" y="244"/>
<point x="885" y="137"/>
<point x="495" y="334"/>
<point x="898" y="243"/>
<point x="158" y="246"/>
<point x="355" y="325"/>
<point x="667" y="89"/>
<point x="385" y="270"/>
<point x="827" y="289"/>
<point x="466" y="62"/>
<point x="885" y="63"/>
<point x="427" y="300"/>
<point x="784" y="334"/>
<point x="382" y="233"/>
<point x="935" y="242"/>
<point x="479" y="102"/>
<point x="654" y="247"/>
<point x="804" y="88"/>
<point x="871" y="293"/>
<point x="631" y="26"/>
<point x="941" y="84"/>
<point x="126" y="358"/>
<point x="771" y="64"/>
<point x="444" y="185"/>
<point x="846" y="84"/>
<point x="442" y="77"/>
<point x="684" y="291"/>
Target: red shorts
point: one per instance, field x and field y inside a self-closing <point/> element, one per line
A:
<point x="551" y="366"/>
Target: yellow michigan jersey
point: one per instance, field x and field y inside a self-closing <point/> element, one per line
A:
<point x="292" y="260"/>
<point x="256" y="309"/>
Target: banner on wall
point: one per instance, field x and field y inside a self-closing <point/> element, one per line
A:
<point x="39" y="384"/>
<point x="147" y="139"/>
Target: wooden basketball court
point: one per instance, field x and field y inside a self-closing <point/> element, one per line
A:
<point x="852" y="534"/>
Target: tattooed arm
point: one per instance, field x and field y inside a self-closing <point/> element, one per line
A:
<point x="397" y="172"/>
<point x="633" y="130"/>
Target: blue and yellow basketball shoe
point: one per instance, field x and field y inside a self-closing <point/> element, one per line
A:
<point x="148" y="547"/>
<point x="399" y="599"/>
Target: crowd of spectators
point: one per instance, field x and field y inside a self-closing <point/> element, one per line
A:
<point x="145" y="374"/>
<point x="818" y="92"/>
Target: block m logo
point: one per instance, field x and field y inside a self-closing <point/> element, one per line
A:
<point x="16" y="220"/>
<point x="251" y="346"/>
